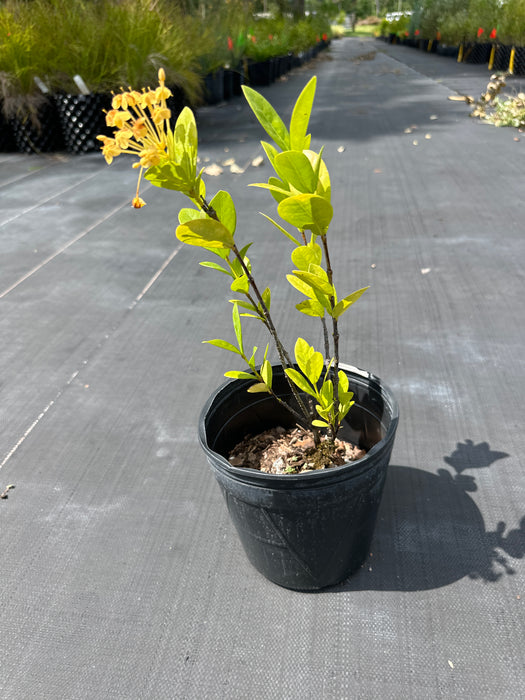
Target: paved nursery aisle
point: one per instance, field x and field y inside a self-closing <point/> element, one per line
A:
<point x="122" y="576"/>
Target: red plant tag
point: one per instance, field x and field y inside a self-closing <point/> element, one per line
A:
<point x="438" y="36"/>
<point x="230" y="44"/>
<point x="416" y="32"/>
<point x="492" y="34"/>
<point x="325" y="36"/>
<point x="480" y="32"/>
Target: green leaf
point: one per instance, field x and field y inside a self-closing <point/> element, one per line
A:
<point x="282" y="230"/>
<point x="189" y="214"/>
<point x="224" y="207"/>
<point x="305" y="255"/>
<point x="311" y="307"/>
<point x="295" y="168"/>
<point x="222" y="344"/>
<point x="258" y="389"/>
<point x="244" y="304"/>
<point x="315" y="281"/>
<point x="237" y="327"/>
<point x="270" y="151"/>
<point x="343" y="305"/>
<point x="301" y="116"/>
<point x="205" y="233"/>
<point x="241" y="284"/>
<point x="276" y="187"/>
<point x="298" y="379"/>
<point x="267" y="297"/>
<point x="324" y="187"/>
<point x="320" y="423"/>
<point x="266" y="373"/>
<point x="343" y="381"/>
<point x="301" y="286"/>
<point x="310" y="362"/>
<point x="215" y="266"/>
<point x="270" y="121"/>
<point x="239" y="375"/>
<point x="306" y="211"/>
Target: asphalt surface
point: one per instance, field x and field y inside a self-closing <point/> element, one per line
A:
<point x="120" y="573"/>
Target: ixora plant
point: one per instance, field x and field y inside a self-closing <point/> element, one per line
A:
<point x="311" y="392"/>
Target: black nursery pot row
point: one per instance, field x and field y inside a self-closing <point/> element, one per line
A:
<point x="225" y="83"/>
<point x="73" y="122"/>
<point x="473" y="52"/>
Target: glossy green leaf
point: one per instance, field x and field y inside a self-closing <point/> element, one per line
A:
<point x="295" y="168"/>
<point x="343" y="305"/>
<point x="301" y="116"/>
<point x="215" y="266"/>
<point x="240" y="284"/>
<point x="276" y="187"/>
<point x="189" y="214"/>
<point x="311" y="307"/>
<point x="306" y="211"/>
<point x="237" y="327"/>
<point x="222" y="344"/>
<point x="205" y="233"/>
<point x="306" y="255"/>
<point x="224" y="207"/>
<point x="300" y="381"/>
<point x="266" y="373"/>
<point x="320" y="423"/>
<point x="239" y="375"/>
<point x="270" y="151"/>
<point x="315" y="281"/>
<point x="268" y="118"/>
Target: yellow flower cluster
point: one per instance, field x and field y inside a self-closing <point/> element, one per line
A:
<point x="141" y="122"/>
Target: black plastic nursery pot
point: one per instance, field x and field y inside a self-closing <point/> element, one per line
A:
<point x="41" y="136"/>
<point x="82" y="119"/>
<point x="304" y="531"/>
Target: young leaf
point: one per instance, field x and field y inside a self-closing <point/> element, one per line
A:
<point x="266" y="373"/>
<point x="240" y="284"/>
<point x="224" y="207"/>
<point x="343" y="305"/>
<point x="270" y="151"/>
<point x="189" y="214"/>
<point x="311" y="307"/>
<point x="282" y="230"/>
<point x="315" y="281"/>
<point x="222" y="344"/>
<point x="298" y="379"/>
<point x="306" y="211"/>
<point x="277" y="188"/>
<point x="258" y="388"/>
<point x="215" y="266"/>
<point x="267" y="298"/>
<point x="239" y="375"/>
<point x="301" y="116"/>
<point x="320" y="423"/>
<point x="205" y="233"/>
<point x="295" y="168"/>
<point x="305" y="255"/>
<point x="237" y="327"/>
<point x="270" y="121"/>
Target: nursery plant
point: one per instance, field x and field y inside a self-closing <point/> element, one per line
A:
<point x="307" y="521"/>
<point x="301" y="188"/>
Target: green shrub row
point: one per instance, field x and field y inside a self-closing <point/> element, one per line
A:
<point x="114" y="43"/>
<point x="455" y="22"/>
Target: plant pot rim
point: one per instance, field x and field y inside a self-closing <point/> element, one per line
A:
<point x="306" y="478"/>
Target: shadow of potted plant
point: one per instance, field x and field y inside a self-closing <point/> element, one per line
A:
<point x="306" y="514"/>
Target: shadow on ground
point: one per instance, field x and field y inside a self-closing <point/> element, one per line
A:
<point x="431" y="533"/>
